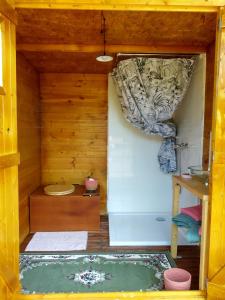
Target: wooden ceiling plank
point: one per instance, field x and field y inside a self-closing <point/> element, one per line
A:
<point x="42" y="26"/>
<point x="59" y="47"/>
<point x="151" y="5"/>
<point x="76" y="48"/>
<point x="155" y="49"/>
<point x="60" y="62"/>
<point x="49" y="37"/>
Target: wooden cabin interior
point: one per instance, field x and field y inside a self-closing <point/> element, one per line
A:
<point x="51" y="148"/>
<point x="62" y="91"/>
<point x="63" y="101"/>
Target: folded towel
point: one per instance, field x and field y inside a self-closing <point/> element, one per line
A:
<point x="183" y="220"/>
<point x="194" y="211"/>
<point x="192" y="234"/>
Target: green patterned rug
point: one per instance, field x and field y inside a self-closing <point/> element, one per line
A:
<point x="93" y="272"/>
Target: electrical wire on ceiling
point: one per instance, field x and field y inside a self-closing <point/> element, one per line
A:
<point x="103" y="57"/>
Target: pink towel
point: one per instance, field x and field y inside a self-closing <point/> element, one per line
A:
<point x="195" y="212"/>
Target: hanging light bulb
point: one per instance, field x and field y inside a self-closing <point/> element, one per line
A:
<point x="103" y="57"/>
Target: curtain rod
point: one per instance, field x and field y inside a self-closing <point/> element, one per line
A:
<point x="122" y="56"/>
<point x="157" y="54"/>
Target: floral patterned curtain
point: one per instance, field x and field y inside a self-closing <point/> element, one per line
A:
<point x="150" y="90"/>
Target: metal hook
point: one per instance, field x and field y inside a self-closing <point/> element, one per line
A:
<point x="181" y="146"/>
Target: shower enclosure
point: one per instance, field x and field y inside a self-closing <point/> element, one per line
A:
<point x="139" y="194"/>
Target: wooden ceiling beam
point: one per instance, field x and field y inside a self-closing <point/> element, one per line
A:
<point x="76" y="48"/>
<point x="7" y="11"/>
<point x="152" y="5"/>
<point x="59" y="48"/>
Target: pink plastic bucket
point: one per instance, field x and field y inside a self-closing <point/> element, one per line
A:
<point x="177" y="279"/>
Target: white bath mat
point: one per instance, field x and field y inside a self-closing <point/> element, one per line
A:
<point x="58" y="241"/>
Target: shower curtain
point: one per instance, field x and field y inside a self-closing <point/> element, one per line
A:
<point x="150" y="90"/>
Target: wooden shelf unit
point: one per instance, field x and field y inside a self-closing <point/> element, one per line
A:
<point x="64" y="213"/>
<point x="198" y="189"/>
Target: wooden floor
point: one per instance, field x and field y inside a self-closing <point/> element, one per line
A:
<point x="99" y="241"/>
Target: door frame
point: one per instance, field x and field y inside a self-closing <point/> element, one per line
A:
<point x="10" y="159"/>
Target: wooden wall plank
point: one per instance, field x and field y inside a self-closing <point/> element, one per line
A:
<point x="9" y="235"/>
<point x="74" y="128"/>
<point x="217" y="226"/>
<point x="4" y="290"/>
<point x="9" y="160"/>
<point x="209" y="92"/>
<point x="29" y="138"/>
<point x="11" y="2"/>
<point x="216" y="288"/>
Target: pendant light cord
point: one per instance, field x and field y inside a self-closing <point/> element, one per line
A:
<point x="103" y="57"/>
<point x="103" y="29"/>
